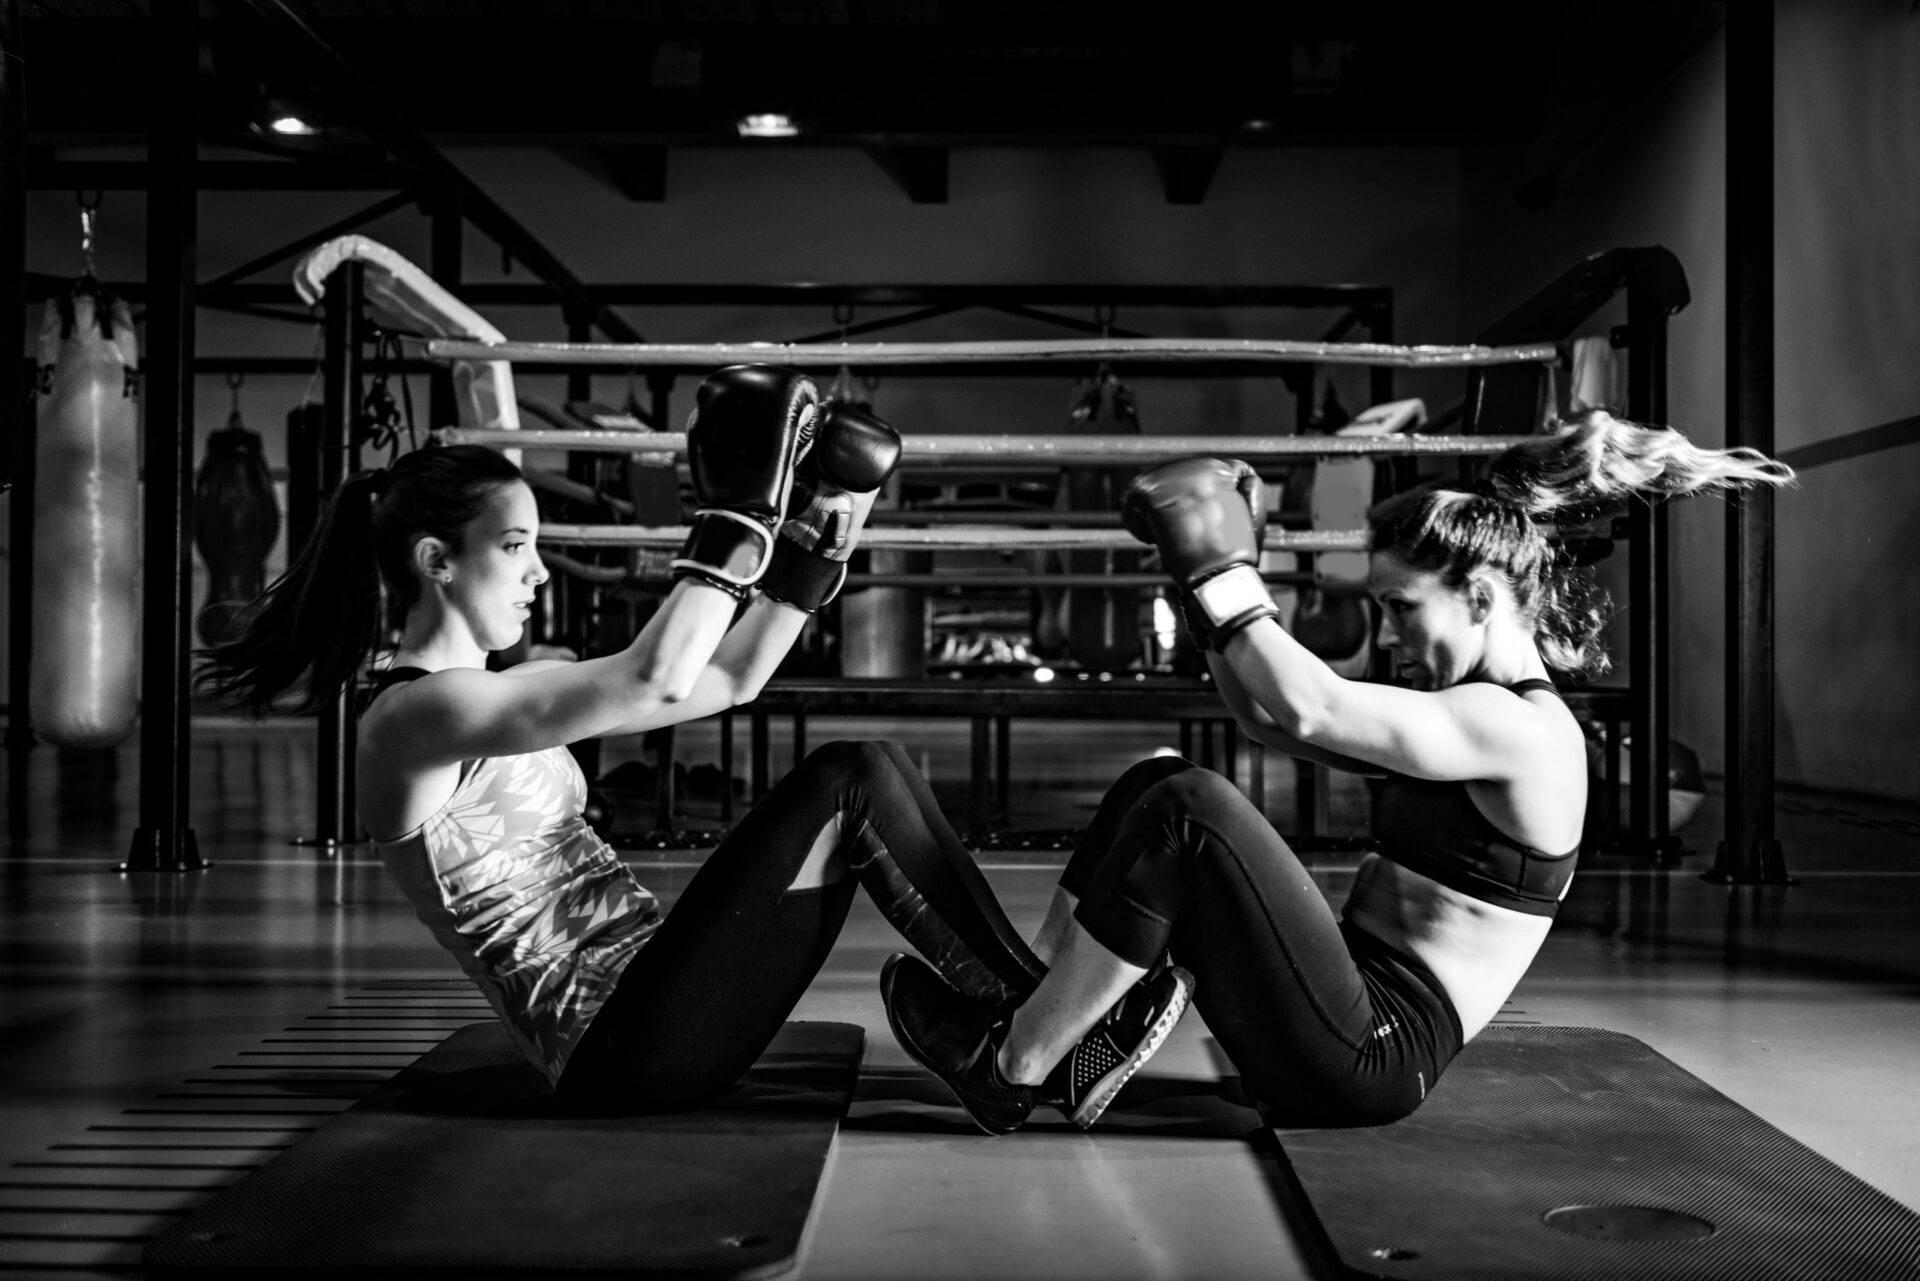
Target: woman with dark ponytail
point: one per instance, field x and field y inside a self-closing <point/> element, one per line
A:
<point x="1342" y="1020"/>
<point x="476" y="807"/>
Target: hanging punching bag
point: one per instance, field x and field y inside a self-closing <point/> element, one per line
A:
<point x="82" y="680"/>
<point x="235" y="520"/>
<point x="1101" y="625"/>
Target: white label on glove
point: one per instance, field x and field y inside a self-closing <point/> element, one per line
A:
<point x="1232" y="593"/>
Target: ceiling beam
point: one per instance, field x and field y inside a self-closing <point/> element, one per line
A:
<point x="920" y="170"/>
<point x="636" y="170"/>
<point x="1187" y="172"/>
<point x="45" y="173"/>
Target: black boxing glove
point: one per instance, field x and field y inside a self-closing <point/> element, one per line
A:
<point x="834" y="489"/>
<point x="750" y="427"/>
<point x="1205" y="516"/>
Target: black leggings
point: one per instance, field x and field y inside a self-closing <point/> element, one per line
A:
<point x="1327" y="1025"/>
<point x="707" y="993"/>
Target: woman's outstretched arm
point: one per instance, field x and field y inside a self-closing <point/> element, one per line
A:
<point x="1263" y="729"/>
<point x="742" y="663"/>
<point x="463" y="712"/>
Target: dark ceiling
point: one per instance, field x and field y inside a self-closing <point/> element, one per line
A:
<point x="619" y="83"/>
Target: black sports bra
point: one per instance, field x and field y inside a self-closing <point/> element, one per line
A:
<point x="1435" y="829"/>
<point x="387" y="680"/>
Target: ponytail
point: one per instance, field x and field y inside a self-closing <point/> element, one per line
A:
<point x="1593" y="463"/>
<point x="1596" y="461"/>
<point x="323" y="614"/>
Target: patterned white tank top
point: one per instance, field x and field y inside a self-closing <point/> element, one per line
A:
<point x="539" y="911"/>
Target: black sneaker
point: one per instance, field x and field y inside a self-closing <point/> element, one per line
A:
<point x="954" y="1038"/>
<point x="1082" y="1084"/>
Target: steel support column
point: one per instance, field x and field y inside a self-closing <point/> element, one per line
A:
<point x="16" y="412"/>
<point x="1647" y="310"/>
<point x="16" y="415"/>
<point x="1750" y="853"/>
<point x="164" y="841"/>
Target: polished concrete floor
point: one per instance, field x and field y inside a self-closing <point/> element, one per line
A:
<point x="163" y="1032"/>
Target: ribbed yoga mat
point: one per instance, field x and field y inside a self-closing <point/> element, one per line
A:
<point x="458" y="1164"/>
<point x="1568" y="1154"/>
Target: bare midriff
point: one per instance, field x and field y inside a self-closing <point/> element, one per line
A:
<point x="1477" y="950"/>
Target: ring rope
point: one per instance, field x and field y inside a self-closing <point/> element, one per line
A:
<point x="1136" y="350"/>
<point x="1016" y="581"/>
<point x="989" y="537"/>
<point x="1046" y="450"/>
<point x="988" y="579"/>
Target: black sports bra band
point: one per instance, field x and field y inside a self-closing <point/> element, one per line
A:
<point x="1534" y="683"/>
<point x="393" y="676"/>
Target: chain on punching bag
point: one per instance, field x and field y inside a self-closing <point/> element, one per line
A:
<point x="83" y="676"/>
<point x="235" y="520"/>
<point x="1101" y="625"/>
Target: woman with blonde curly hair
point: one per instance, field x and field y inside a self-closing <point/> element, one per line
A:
<point x="1179" y="879"/>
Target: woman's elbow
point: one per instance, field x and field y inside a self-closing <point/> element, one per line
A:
<point x="669" y="675"/>
<point x="744" y="689"/>
<point x="1307" y="724"/>
<point x="662" y="689"/>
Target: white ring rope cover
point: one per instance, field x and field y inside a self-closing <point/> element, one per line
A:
<point x="1041" y="350"/>
<point x="1048" y="450"/>
<point x="990" y="537"/>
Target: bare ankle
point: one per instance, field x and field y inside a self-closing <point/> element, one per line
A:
<point x="1019" y="1061"/>
<point x="1018" y="1069"/>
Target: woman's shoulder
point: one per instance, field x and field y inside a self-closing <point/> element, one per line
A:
<point x="1526" y="733"/>
<point x="402" y="699"/>
<point x="451" y="714"/>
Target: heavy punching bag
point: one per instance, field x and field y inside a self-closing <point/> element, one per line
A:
<point x="235" y="520"/>
<point x="84" y="673"/>
<point x="1100" y="625"/>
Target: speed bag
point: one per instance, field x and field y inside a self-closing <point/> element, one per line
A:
<point x="83" y="675"/>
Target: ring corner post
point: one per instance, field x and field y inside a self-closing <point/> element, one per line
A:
<point x="1751" y="853"/>
<point x="164" y="841"/>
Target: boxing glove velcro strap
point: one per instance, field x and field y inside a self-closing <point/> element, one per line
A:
<point x="1232" y="599"/>
<point x="1199" y="629"/>
<point x="800" y="578"/>
<point x="727" y="549"/>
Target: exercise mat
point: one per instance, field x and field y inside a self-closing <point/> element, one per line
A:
<point x="461" y="1162"/>
<point x="1572" y="1153"/>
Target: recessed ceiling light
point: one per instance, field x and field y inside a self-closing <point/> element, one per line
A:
<point x="767" y="124"/>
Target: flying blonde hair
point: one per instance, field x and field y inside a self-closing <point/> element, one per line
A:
<point x="1590" y="463"/>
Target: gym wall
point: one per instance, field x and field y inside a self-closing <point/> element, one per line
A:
<point x="1847" y="177"/>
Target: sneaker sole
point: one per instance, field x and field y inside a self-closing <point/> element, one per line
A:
<point x="907" y="1043"/>
<point x="1108" y="1086"/>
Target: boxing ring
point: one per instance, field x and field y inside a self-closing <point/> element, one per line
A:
<point x="1503" y="368"/>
